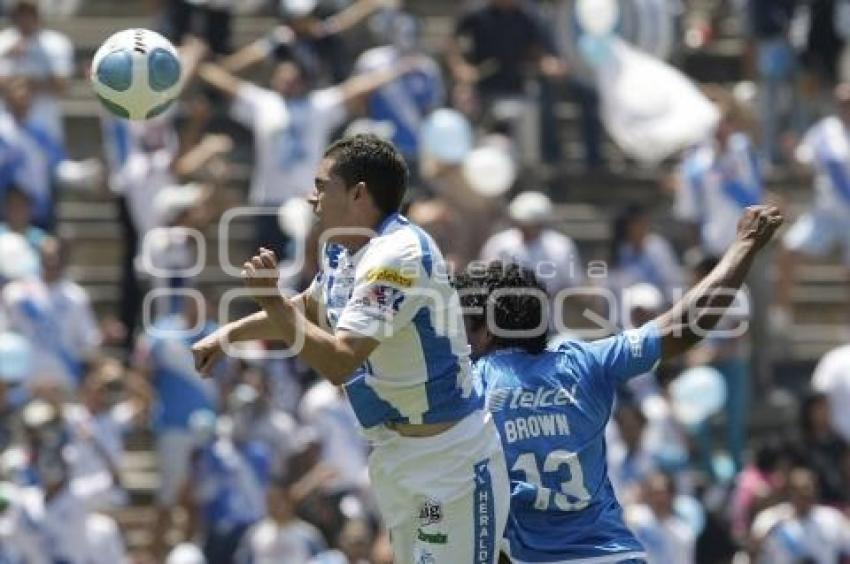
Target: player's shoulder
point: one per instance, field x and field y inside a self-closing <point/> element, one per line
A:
<point x="403" y="243"/>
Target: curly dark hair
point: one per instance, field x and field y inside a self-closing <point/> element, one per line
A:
<point x="368" y="158"/>
<point x="516" y="300"/>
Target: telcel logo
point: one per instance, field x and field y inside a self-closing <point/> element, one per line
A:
<point x="515" y="398"/>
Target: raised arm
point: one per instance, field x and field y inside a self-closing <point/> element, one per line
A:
<point x="255" y="327"/>
<point x="362" y="85"/>
<point x="259" y="50"/>
<point x="699" y="311"/>
<point x="220" y="79"/>
<point x="335" y="356"/>
<point x="354" y="14"/>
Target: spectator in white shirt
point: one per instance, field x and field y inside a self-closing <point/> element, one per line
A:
<point x="665" y="536"/>
<point x="832" y="379"/>
<point x="630" y="460"/>
<point x="70" y="532"/>
<point x="255" y="418"/>
<point x="17" y="217"/>
<point x="800" y="530"/>
<point x="99" y="424"/>
<point x="533" y="244"/>
<point x="718" y="179"/>
<point x="292" y="126"/>
<point x="825" y="150"/>
<point x="281" y="536"/>
<point x="344" y="449"/>
<point x="34" y="151"/>
<point x="56" y="315"/>
<point x="43" y="56"/>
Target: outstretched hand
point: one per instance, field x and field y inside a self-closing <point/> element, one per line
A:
<point x="758" y="224"/>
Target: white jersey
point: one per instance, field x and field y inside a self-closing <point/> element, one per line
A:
<point x="290" y="137"/>
<point x="826" y="148"/>
<point x="832" y="378"/>
<point x="60" y="322"/>
<point x="821" y="537"/>
<point x="343" y="447"/>
<point x="295" y="542"/>
<point x="68" y="532"/>
<point x="717" y="187"/>
<point x="46" y="54"/>
<point x="553" y="256"/>
<point x="665" y="540"/>
<point x="34" y="153"/>
<point x="396" y="290"/>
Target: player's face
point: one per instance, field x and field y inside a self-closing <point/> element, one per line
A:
<point x="331" y="199"/>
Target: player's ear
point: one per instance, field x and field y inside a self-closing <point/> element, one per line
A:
<point x="359" y="191"/>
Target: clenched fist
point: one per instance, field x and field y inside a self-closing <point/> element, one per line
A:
<point x="260" y="273"/>
<point x="206" y="353"/>
<point x="758" y="224"/>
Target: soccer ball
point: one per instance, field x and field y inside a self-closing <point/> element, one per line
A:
<point x="136" y="74"/>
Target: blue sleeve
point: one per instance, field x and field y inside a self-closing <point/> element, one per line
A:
<point x="260" y="460"/>
<point x="628" y="354"/>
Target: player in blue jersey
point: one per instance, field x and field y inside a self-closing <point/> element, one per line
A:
<point x="383" y="320"/>
<point x="551" y="406"/>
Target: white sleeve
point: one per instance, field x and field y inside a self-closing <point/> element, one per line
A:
<point x="250" y="102"/>
<point x="388" y="291"/>
<point x="571" y="267"/>
<point x="88" y="333"/>
<point x="61" y="54"/>
<point x="805" y="152"/>
<point x="490" y="250"/>
<point x="329" y="108"/>
<point x="685" y="206"/>
<point x="825" y="375"/>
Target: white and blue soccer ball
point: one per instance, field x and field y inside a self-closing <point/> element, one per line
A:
<point x="136" y="74"/>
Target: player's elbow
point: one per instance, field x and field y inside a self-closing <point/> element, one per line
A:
<point x="338" y="372"/>
<point x="338" y="366"/>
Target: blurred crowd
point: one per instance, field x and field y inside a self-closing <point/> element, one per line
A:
<point x="264" y="461"/>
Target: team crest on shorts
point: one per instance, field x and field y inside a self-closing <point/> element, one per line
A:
<point x="430" y="512"/>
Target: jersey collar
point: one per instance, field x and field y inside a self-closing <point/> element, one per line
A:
<point x="389" y="221"/>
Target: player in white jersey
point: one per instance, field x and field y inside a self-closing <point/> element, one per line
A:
<point x="396" y="342"/>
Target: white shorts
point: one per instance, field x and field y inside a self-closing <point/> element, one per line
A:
<point x="818" y="232"/>
<point x="173" y="453"/>
<point x="444" y="499"/>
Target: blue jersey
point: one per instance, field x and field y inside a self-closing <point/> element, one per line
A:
<point x="551" y="410"/>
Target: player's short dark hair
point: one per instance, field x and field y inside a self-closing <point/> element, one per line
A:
<point x="523" y="311"/>
<point x="368" y="158"/>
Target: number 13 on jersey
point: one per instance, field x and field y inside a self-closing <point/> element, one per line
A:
<point x="573" y="495"/>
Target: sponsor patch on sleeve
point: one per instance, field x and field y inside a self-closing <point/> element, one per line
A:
<point x="390" y="276"/>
